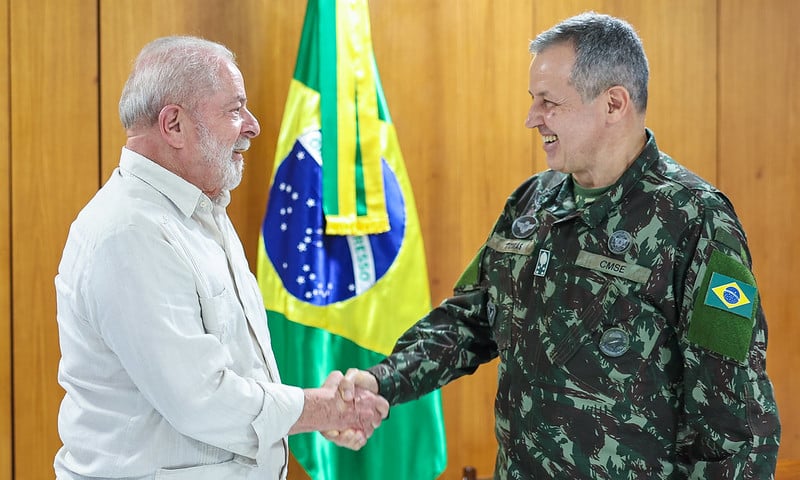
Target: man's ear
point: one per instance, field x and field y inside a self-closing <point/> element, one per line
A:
<point x="171" y="123"/>
<point x="618" y="101"/>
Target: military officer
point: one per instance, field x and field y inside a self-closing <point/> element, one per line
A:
<point x="616" y="288"/>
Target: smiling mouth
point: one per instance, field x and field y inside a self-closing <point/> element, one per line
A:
<point x="549" y="138"/>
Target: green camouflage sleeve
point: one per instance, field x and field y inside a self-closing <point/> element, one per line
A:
<point x="450" y="342"/>
<point x="730" y="427"/>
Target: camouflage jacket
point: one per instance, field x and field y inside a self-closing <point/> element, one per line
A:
<point x="631" y="338"/>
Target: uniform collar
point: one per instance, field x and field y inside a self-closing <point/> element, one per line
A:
<point x="600" y="209"/>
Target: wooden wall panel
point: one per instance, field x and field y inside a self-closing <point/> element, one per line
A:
<point x="5" y="254"/>
<point x="54" y="158"/>
<point x="759" y="167"/>
<point x="455" y="76"/>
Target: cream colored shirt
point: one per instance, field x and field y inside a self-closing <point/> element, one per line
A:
<point x="166" y="357"/>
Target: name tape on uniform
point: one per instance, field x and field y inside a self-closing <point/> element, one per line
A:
<point x="506" y="245"/>
<point x="631" y="271"/>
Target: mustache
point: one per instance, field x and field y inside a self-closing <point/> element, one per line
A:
<point x="242" y="145"/>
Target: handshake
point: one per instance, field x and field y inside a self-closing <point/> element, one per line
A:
<point x="346" y="409"/>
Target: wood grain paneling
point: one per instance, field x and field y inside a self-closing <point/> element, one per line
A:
<point x="54" y="159"/>
<point x="788" y="470"/>
<point x="455" y="76"/>
<point x="759" y="165"/>
<point x="5" y="254"/>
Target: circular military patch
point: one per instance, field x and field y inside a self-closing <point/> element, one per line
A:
<point x="615" y="342"/>
<point x="620" y="242"/>
<point x="524" y="226"/>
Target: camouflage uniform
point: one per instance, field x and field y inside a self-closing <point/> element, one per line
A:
<point x="615" y="362"/>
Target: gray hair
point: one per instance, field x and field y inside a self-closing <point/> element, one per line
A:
<point x="608" y="52"/>
<point x="171" y="70"/>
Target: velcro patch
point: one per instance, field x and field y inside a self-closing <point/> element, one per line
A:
<point x="724" y="308"/>
<point x="469" y="276"/>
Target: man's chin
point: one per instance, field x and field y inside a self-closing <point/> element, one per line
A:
<point x="230" y="175"/>
<point x="233" y="182"/>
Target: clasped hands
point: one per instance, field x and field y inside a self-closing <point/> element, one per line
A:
<point x="361" y="406"/>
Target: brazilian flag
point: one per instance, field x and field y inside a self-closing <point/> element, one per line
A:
<point x="341" y="263"/>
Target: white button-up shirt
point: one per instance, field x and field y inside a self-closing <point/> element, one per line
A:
<point x="166" y="357"/>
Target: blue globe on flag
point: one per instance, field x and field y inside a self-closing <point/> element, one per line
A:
<point x="732" y="295"/>
<point x="314" y="267"/>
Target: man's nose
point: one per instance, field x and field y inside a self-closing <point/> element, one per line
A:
<point x="250" y="127"/>
<point x="533" y="119"/>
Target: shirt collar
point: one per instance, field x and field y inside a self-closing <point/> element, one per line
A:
<point x="183" y="194"/>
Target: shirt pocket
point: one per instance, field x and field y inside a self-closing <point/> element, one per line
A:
<point x="564" y="335"/>
<point x="219" y="314"/>
<point x="506" y="273"/>
<point x="640" y="347"/>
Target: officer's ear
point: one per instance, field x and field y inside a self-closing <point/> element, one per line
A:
<point x="618" y="103"/>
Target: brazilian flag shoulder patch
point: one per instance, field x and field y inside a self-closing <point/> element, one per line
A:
<point x="730" y="295"/>
<point x="724" y="308"/>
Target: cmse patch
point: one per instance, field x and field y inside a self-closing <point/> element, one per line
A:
<point x="724" y="308"/>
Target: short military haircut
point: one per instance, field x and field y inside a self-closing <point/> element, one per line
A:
<point x="608" y="52"/>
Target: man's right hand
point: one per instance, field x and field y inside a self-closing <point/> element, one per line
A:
<point x="338" y="405"/>
<point x="355" y="384"/>
<point x="358" y="378"/>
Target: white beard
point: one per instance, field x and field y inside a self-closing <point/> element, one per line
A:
<point x="226" y="172"/>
